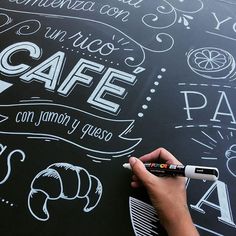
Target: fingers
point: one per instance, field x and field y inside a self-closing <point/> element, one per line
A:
<point x="160" y="155"/>
<point x="136" y="183"/>
<point x="137" y="167"/>
<point x="141" y="175"/>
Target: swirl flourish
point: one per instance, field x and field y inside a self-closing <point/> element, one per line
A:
<point x="27" y="27"/>
<point x="153" y="20"/>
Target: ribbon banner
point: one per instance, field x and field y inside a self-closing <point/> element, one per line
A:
<point x="79" y="128"/>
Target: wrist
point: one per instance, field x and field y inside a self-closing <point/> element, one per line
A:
<point x="179" y="223"/>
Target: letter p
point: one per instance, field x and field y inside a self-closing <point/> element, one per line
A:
<point x="198" y="101"/>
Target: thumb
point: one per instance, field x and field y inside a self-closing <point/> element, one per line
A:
<point x="140" y="171"/>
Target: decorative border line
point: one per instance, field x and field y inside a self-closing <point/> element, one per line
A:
<point x="204" y="126"/>
<point x="152" y="91"/>
<point x="207" y="85"/>
<point x="89" y="55"/>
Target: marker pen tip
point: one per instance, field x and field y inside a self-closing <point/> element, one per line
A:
<point x="127" y="166"/>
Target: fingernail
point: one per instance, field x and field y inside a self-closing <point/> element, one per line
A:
<point x="132" y="160"/>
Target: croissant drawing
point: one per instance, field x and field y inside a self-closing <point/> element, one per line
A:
<point x="62" y="181"/>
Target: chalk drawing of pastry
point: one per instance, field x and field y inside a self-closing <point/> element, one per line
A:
<point x="62" y="181"/>
<point x="230" y="154"/>
<point x="144" y="219"/>
<point x="212" y="63"/>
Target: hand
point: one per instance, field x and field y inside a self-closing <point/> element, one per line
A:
<point x="167" y="194"/>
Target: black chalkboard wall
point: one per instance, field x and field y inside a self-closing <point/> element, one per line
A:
<point x="86" y="84"/>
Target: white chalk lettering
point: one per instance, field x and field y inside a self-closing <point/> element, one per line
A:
<point x="76" y="76"/>
<point x="47" y="72"/>
<point x="223" y="97"/>
<point x="7" y="53"/>
<point x="53" y="117"/>
<point x="50" y="70"/>
<point x="114" y="12"/>
<point x="92" y="45"/>
<point x="25" y="117"/>
<point x="68" y="4"/>
<point x="218" y="22"/>
<point x="2" y="149"/>
<point x="188" y="108"/>
<point x="106" y="85"/>
<point x="96" y="132"/>
<point x="224" y="203"/>
<point x="55" y="34"/>
<point x="74" y="126"/>
<point x="84" y="5"/>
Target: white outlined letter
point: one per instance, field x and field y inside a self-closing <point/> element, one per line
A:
<point x="224" y="203"/>
<point x="5" y="57"/>
<point x="106" y="86"/>
<point x="187" y="106"/>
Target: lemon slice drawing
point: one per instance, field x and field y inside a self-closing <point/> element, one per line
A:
<point x="211" y="63"/>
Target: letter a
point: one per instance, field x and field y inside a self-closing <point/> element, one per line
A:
<point x="223" y="97"/>
<point x="224" y="203"/>
<point x="48" y="71"/>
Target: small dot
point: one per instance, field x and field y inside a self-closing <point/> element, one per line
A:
<point x="11" y="205"/>
<point x="7" y="202"/>
<point x="144" y="106"/>
<point x="62" y="46"/>
<point x="3" y="200"/>
<point x="152" y="90"/>
<point x="163" y="70"/>
<point x="148" y="99"/>
<point x="140" y="114"/>
<point x="159" y="76"/>
<point x="156" y="83"/>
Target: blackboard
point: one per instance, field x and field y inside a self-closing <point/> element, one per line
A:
<point x="84" y="85"/>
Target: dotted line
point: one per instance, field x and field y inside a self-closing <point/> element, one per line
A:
<point x="152" y="91"/>
<point x="203" y="126"/>
<point x="89" y="55"/>
<point x="4" y="201"/>
<point x="207" y="85"/>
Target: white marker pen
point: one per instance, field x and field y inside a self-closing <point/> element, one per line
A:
<point x="189" y="171"/>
